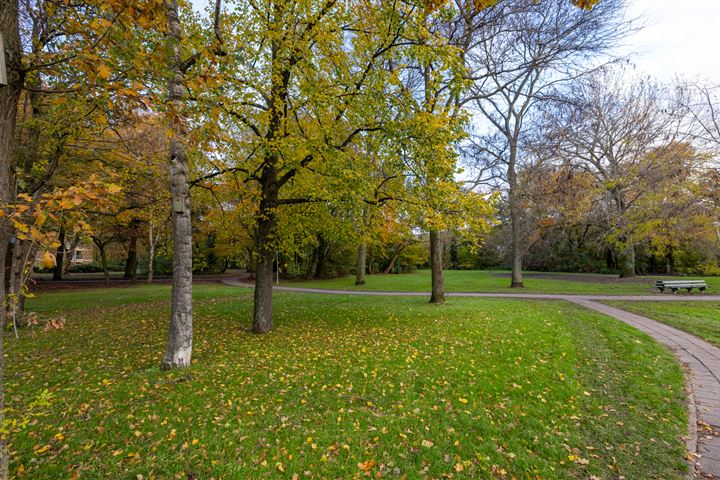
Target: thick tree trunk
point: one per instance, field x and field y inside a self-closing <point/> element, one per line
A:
<point x="9" y="96"/>
<point x="178" y="350"/>
<point x="262" y="313"/>
<point x="436" y="267"/>
<point x="360" y="265"/>
<point x="627" y="262"/>
<point x="60" y="255"/>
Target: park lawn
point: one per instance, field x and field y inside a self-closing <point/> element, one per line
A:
<point x="699" y="318"/>
<point x="344" y="386"/>
<point x="485" y="281"/>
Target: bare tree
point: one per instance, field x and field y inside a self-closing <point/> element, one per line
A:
<point x="619" y="132"/>
<point x="702" y="102"/>
<point x="521" y="61"/>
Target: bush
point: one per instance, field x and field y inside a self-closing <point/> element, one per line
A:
<point x="709" y="269"/>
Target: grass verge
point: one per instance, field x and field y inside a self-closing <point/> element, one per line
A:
<point x="345" y="386"/>
<point x="484" y="281"/>
<point x="699" y="318"/>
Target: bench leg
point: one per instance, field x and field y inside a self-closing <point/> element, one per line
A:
<point x="674" y="290"/>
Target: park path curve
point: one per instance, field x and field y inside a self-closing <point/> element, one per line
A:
<point x="700" y="358"/>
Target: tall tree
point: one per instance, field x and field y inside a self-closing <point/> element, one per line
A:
<point x="305" y="91"/>
<point x="617" y="131"/>
<point x="178" y="350"/>
<point x="9" y="96"/>
<point x="521" y="61"/>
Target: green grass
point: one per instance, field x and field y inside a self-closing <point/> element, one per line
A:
<point x="484" y="281"/>
<point x="699" y="318"/>
<point x="474" y="389"/>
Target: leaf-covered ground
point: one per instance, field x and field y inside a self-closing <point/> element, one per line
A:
<point x="484" y="281"/>
<point x="345" y="387"/>
<point x="699" y="318"/>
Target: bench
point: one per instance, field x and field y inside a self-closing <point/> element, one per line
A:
<point x="675" y="285"/>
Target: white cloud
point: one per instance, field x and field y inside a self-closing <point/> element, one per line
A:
<point x="679" y="38"/>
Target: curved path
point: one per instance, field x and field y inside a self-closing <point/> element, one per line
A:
<point x="700" y="358"/>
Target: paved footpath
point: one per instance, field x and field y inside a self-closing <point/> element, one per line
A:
<point x="700" y="358"/>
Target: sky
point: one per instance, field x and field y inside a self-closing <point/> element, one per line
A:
<point x="680" y="37"/>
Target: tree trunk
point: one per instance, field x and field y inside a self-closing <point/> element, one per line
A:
<point x="270" y="184"/>
<point x="103" y="260"/>
<point x="9" y="96"/>
<point x="627" y="262"/>
<point x="132" y="259"/>
<point x="323" y="268"/>
<point x="312" y="269"/>
<point x="151" y="254"/>
<point x="360" y="266"/>
<point x="262" y="313"/>
<point x="370" y="262"/>
<point x="517" y="259"/>
<point x="436" y="267"/>
<point x="178" y="350"/>
<point x="60" y="255"/>
<point x="393" y="259"/>
<point x="67" y="261"/>
<point x="23" y="252"/>
<point x="7" y="273"/>
<point x="610" y="262"/>
<point x="516" y="280"/>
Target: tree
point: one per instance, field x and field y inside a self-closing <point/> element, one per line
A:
<point x="523" y="58"/>
<point x="307" y="89"/>
<point x="178" y="350"/>
<point x="618" y="133"/>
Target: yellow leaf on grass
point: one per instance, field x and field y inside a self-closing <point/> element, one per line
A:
<point x="366" y="466"/>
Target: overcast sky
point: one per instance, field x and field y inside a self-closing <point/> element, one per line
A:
<point x="680" y="37"/>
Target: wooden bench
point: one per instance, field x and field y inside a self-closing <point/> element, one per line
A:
<point x="675" y="285"/>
